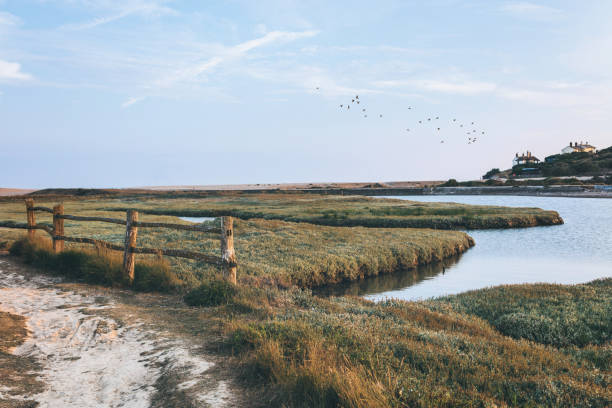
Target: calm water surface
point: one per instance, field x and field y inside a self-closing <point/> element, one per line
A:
<point x="578" y="251"/>
<point x="197" y="220"/>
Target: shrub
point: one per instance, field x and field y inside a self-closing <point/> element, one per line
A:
<point x="154" y="277"/>
<point x="212" y="293"/>
<point x="491" y="173"/>
<point x="450" y="183"/>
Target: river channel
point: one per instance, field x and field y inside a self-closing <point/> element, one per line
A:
<point x="578" y="251"/>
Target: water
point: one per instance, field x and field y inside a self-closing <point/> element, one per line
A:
<point x="578" y="251"/>
<point x="197" y="220"/>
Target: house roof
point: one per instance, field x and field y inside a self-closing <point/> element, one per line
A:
<point x="527" y="158"/>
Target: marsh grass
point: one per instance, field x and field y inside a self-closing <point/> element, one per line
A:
<point x="288" y="253"/>
<point x="558" y="315"/>
<point x="97" y="266"/>
<point x="347" y="211"/>
<point x="327" y="352"/>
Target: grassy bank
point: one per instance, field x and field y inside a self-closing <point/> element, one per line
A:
<point x="285" y="253"/>
<point x="96" y="266"/>
<point x="349" y="211"/>
<point x="314" y="352"/>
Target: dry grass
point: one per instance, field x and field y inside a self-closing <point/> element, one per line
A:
<point x="285" y="252"/>
<point x="18" y="375"/>
<point x="315" y="352"/>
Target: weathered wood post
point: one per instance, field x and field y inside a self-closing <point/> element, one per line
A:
<point x="227" y="249"/>
<point x="58" y="228"/>
<point x="29" y="202"/>
<point x="131" y="232"/>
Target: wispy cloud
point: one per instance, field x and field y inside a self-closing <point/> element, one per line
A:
<point x="531" y="10"/>
<point x="229" y="54"/>
<point x="131" y="101"/>
<point x="8" y="19"/>
<point x="453" y="87"/>
<point x="10" y="71"/>
<point x="120" y="10"/>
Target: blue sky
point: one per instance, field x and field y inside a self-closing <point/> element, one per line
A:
<point x="101" y="93"/>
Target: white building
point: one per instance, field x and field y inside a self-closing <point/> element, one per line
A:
<point x="575" y="147"/>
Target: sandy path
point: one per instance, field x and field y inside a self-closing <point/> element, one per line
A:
<point x="91" y="360"/>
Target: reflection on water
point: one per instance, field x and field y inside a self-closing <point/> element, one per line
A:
<point x="578" y="251"/>
<point x="197" y="220"/>
<point x="387" y="282"/>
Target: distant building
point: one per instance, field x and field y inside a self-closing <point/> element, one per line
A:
<point x="575" y="147"/>
<point x="525" y="158"/>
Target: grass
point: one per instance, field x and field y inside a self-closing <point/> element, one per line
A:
<point x="286" y="253"/>
<point x="97" y="266"/>
<point x="558" y="315"/>
<point x="520" y="345"/>
<point x="326" y="352"/>
<point x="347" y="211"/>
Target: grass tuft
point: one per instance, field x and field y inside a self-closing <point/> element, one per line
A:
<point x="97" y="266"/>
<point x="212" y="293"/>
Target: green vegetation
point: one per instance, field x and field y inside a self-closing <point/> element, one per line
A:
<point x="347" y="211"/>
<point x="549" y="314"/>
<point x="491" y="173"/>
<point x="326" y="352"/>
<point x="521" y="345"/>
<point x="97" y="266"/>
<point x="212" y="293"/>
<point x="563" y="165"/>
<point x="285" y="252"/>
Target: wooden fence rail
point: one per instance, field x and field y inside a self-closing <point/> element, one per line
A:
<point x="227" y="260"/>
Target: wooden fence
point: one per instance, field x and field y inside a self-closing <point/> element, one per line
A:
<point x="227" y="260"/>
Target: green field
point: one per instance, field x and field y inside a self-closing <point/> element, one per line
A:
<point x="287" y="253"/>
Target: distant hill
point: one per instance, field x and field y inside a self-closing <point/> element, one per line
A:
<point x="562" y="165"/>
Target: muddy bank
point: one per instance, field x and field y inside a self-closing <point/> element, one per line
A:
<point x="87" y="352"/>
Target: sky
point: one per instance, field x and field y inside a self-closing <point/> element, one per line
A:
<point x="102" y="93"/>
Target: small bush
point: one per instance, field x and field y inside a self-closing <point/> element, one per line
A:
<point x="450" y="183"/>
<point x="154" y="277"/>
<point x="213" y="293"/>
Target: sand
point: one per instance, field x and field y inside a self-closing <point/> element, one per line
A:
<point x="91" y="360"/>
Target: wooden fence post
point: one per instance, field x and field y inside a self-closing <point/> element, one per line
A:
<point x="131" y="232"/>
<point x="58" y="228"/>
<point x="227" y="249"/>
<point x="29" y="202"/>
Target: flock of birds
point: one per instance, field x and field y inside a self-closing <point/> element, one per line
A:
<point x="471" y="131"/>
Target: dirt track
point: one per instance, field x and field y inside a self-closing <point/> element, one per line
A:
<point x="91" y="353"/>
